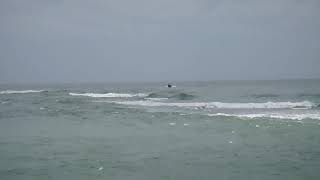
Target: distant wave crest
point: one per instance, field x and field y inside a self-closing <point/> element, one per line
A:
<point x="20" y="91"/>
<point x="108" y="95"/>
<point x="221" y="105"/>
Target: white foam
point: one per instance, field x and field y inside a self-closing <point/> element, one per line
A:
<point x="20" y="92"/>
<point x="156" y="99"/>
<point x="172" y="124"/>
<point x="183" y="114"/>
<point x="292" y="116"/>
<point x="108" y="95"/>
<point x="300" y="108"/>
<point x="221" y="105"/>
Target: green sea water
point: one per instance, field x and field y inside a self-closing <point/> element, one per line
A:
<point x="196" y="130"/>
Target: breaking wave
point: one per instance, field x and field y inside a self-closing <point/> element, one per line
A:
<point x="108" y="95"/>
<point x="221" y="105"/>
<point x="21" y="91"/>
<point x="272" y="115"/>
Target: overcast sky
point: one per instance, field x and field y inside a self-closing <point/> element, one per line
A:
<point x="158" y="40"/>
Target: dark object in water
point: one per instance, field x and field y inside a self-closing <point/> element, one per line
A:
<point x="183" y="96"/>
<point x="169" y="86"/>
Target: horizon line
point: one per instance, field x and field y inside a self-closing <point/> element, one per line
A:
<point x="155" y="81"/>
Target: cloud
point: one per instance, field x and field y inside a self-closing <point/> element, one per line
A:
<point x="101" y="39"/>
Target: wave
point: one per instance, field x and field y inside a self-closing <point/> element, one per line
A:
<point x="309" y="95"/>
<point x="221" y="105"/>
<point x="156" y="99"/>
<point x="108" y="95"/>
<point x="272" y="115"/>
<point x="265" y="95"/>
<point x="171" y="95"/>
<point x="21" y="91"/>
<point x="183" y="96"/>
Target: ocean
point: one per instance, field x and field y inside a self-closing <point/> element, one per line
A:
<point x="238" y="130"/>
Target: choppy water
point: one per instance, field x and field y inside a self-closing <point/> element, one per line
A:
<point x="200" y="130"/>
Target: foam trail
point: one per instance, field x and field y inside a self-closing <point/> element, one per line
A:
<point x="108" y="95"/>
<point x="20" y="92"/>
<point x="221" y="105"/>
<point x="156" y="99"/>
<point x="273" y="115"/>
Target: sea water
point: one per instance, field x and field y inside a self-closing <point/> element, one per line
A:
<point x="196" y="130"/>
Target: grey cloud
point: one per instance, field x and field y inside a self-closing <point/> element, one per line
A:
<point x="149" y="40"/>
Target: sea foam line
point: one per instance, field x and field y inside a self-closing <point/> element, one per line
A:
<point x="156" y="99"/>
<point x="221" y="105"/>
<point x="108" y="95"/>
<point x="273" y="115"/>
<point x="20" y="92"/>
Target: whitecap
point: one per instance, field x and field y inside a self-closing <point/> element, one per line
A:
<point x="20" y="91"/>
<point x="283" y="115"/>
<point x="221" y="105"/>
<point x="108" y="95"/>
<point x="156" y="99"/>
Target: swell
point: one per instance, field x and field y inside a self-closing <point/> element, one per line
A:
<point x="171" y="95"/>
<point x="316" y="95"/>
<point x="265" y="95"/>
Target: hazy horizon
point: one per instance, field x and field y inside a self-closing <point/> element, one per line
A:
<point x="79" y="41"/>
<point x="160" y="82"/>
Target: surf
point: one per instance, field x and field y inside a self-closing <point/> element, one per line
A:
<point x="221" y="105"/>
<point x="108" y="95"/>
<point x="20" y="91"/>
<point x="291" y="116"/>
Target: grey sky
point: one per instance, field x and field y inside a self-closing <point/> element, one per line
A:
<point x="158" y="40"/>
